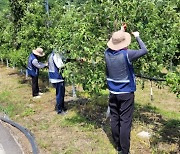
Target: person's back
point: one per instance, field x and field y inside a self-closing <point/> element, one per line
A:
<point x="119" y="71"/>
<point x="54" y="64"/>
<point x="33" y="70"/>
<point x="121" y="84"/>
<point x="55" y="77"/>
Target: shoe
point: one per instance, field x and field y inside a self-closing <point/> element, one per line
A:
<point x="61" y="112"/>
<point x="64" y="109"/>
<point x="119" y="150"/>
<point x="40" y="93"/>
<point x="36" y="97"/>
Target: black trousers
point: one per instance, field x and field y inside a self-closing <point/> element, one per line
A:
<point x="35" y="86"/>
<point x="121" y="112"/>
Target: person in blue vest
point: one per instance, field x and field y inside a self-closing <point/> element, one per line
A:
<point x="55" y="65"/>
<point x="33" y="70"/>
<point x="121" y="85"/>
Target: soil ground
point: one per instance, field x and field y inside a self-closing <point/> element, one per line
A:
<point x="85" y="128"/>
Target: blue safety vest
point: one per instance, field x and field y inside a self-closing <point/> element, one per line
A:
<point x="31" y="69"/>
<point x="53" y="69"/>
<point x="120" y="73"/>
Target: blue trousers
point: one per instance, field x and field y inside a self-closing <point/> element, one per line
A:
<point x="60" y="93"/>
<point x="121" y="112"/>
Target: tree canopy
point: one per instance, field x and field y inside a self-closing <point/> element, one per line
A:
<point x="83" y="28"/>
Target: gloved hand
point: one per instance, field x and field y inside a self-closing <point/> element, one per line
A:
<point x="136" y="34"/>
<point x="46" y="64"/>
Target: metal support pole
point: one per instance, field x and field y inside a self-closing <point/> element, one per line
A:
<point x="47" y="7"/>
<point x="74" y="91"/>
<point x="151" y="92"/>
<point x="7" y="63"/>
<point x="47" y="12"/>
<point x="21" y="71"/>
<point x="26" y="74"/>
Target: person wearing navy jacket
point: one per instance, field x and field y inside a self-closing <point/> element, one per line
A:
<point x="121" y="85"/>
<point x="56" y="64"/>
<point x="33" y="70"/>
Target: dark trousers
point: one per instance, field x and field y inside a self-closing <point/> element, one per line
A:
<point x="121" y="112"/>
<point x="60" y="93"/>
<point x="35" y="86"/>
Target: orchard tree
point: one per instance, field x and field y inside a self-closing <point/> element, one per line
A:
<point x="17" y="8"/>
<point x="3" y="5"/>
<point x="80" y="30"/>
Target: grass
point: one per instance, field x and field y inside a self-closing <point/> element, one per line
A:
<point x="162" y="112"/>
<point x="75" y="120"/>
<point x="28" y="112"/>
<point x="85" y="128"/>
<point x="4" y="95"/>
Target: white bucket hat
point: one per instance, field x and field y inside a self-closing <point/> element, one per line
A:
<point x="39" y="52"/>
<point x="119" y="40"/>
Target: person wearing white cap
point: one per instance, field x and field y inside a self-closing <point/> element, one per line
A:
<point x="121" y="85"/>
<point x="33" y="70"/>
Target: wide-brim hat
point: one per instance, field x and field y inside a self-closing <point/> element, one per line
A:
<point x="119" y="40"/>
<point x="38" y="52"/>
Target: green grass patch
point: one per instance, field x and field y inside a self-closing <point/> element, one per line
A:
<point x="5" y="96"/>
<point x="44" y="144"/>
<point x="8" y="109"/>
<point x="28" y="112"/>
<point x="75" y="119"/>
<point x="10" y="105"/>
<point x="44" y="125"/>
<point x="5" y="105"/>
<point x="154" y="109"/>
<point x="169" y="115"/>
<point x="71" y="150"/>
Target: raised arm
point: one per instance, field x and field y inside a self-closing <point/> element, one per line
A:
<point x="135" y="54"/>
